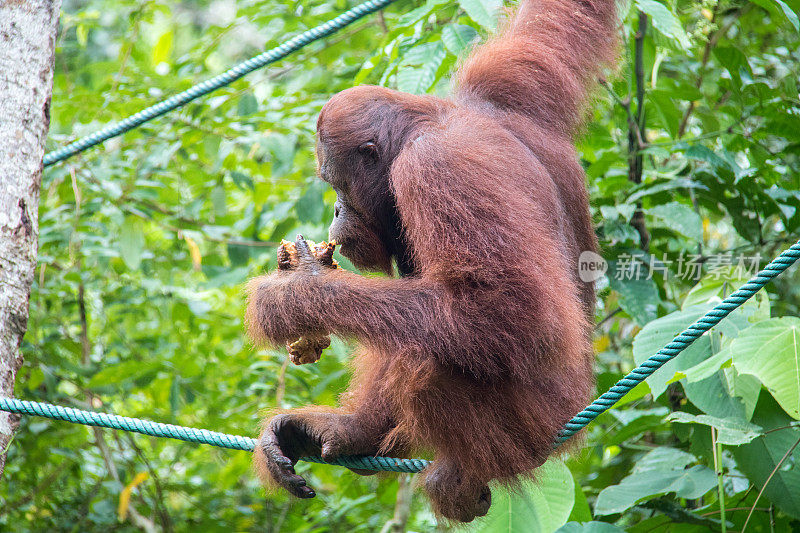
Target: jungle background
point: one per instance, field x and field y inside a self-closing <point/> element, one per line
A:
<point x="692" y="155"/>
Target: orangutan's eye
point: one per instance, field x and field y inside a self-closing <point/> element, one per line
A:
<point x="369" y="149"/>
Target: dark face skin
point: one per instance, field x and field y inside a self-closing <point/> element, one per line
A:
<point x="357" y="226"/>
<point x="360" y="133"/>
<point x="365" y="221"/>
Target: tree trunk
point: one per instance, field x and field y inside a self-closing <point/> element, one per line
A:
<point x="27" y="44"/>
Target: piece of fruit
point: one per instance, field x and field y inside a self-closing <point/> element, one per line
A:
<point x="307" y="349"/>
<point x="323" y="251"/>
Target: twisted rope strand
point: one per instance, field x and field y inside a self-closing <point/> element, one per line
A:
<point x="578" y="422"/>
<point x="680" y="342"/>
<point x="188" y="434"/>
<point x="229" y="76"/>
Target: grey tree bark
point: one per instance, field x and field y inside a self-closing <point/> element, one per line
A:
<point x="27" y="44"/>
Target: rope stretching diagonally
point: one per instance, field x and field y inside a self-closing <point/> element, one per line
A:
<point x="578" y="422"/>
<point x="229" y="76"/>
<point x="202" y="436"/>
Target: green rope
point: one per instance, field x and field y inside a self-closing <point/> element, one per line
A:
<point x="680" y="342"/>
<point x="578" y="422"/>
<point x="201" y="89"/>
<point x="201" y="436"/>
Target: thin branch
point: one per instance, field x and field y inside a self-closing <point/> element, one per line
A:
<point x="402" y="507"/>
<point x="282" y="516"/>
<point x="710" y="44"/>
<point x="777" y="466"/>
<point x="382" y="22"/>
<point x="793" y="425"/>
<point x="716" y="449"/>
<point x="626" y="105"/>
<point x="725" y="131"/>
<point x="636" y="135"/>
<point x="161" y="510"/>
<point x="608" y="317"/>
<point x="712" y="513"/>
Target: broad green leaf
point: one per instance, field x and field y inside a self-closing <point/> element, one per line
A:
<point x="710" y="288"/>
<point x="668" y="110"/>
<point x="664" y="458"/>
<point x="743" y="386"/>
<point x="417" y="14"/>
<point x="283" y="149"/>
<point x="457" y="37"/>
<point x="702" y="153"/>
<point x="665" y="22"/>
<point x="727" y="384"/>
<point x="248" y="104"/>
<point x="648" y="189"/>
<point x="770" y="351"/>
<point x="721" y="283"/>
<point x="581" y="512"/>
<point x="679" y="217"/>
<point x="638" y="295"/>
<point x="790" y="14"/>
<point x="759" y="458"/>
<point x="418" y="70"/>
<point x="689" y="483"/>
<point x="734" y="60"/>
<point x="423" y="53"/>
<point x="713" y="395"/>
<point x="634" y="422"/>
<point x="731" y="431"/>
<point x="242" y="180"/>
<point x="770" y="5"/>
<point x="540" y="506"/>
<point x="115" y="374"/>
<point x="484" y="12"/>
<point x="131" y="242"/>
<point x="706" y="368"/>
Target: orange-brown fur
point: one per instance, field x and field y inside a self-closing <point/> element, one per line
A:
<point x="481" y="350"/>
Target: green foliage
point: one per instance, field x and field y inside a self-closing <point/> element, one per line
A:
<point x="668" y="473"/>
<point x="664" y="21"/>
<point x="484" y="12"/>
<point x="537" y="506"/>
<point x="775" y="342"/>
<point x="145" y="244"/>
